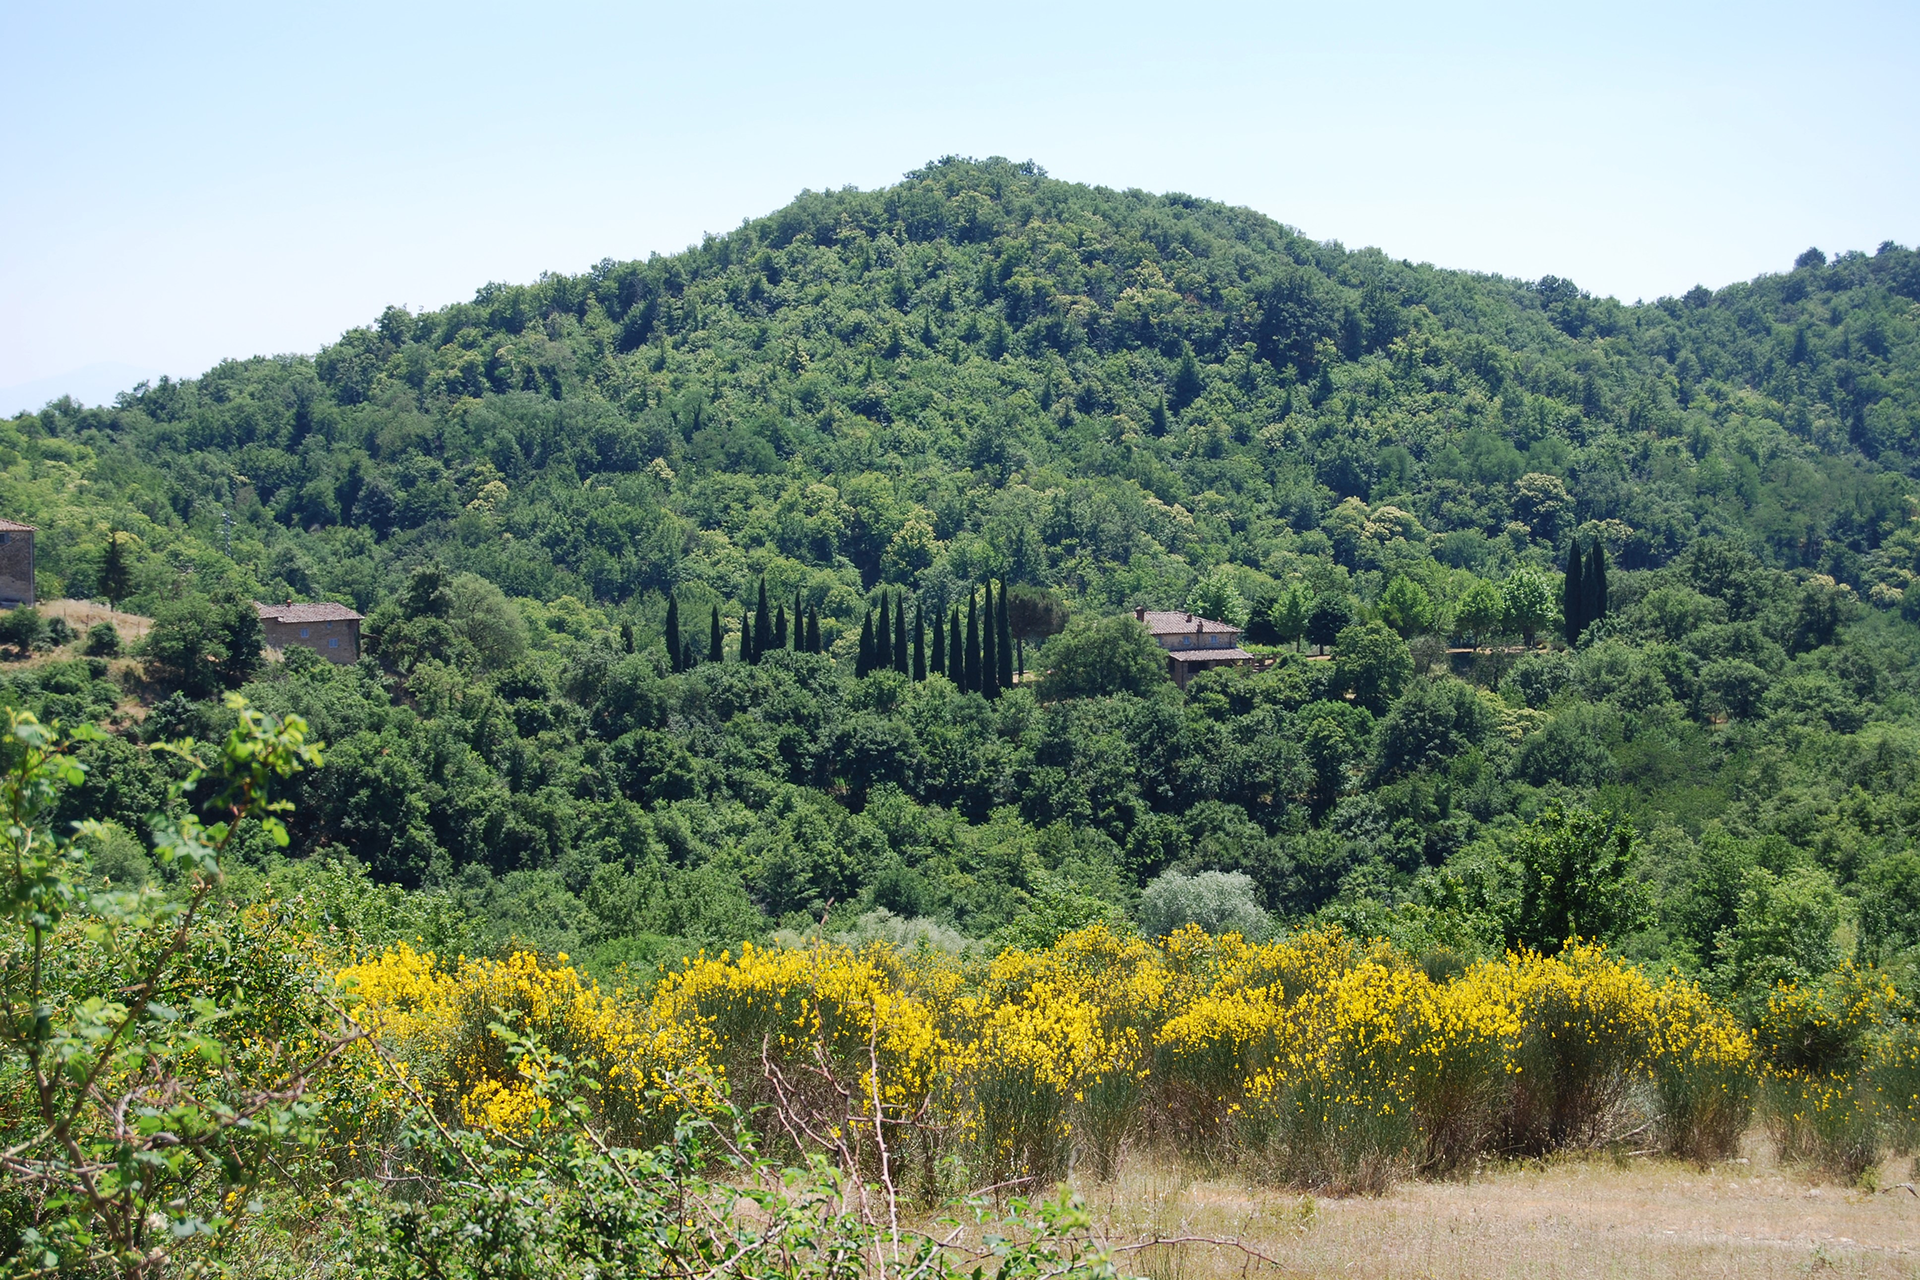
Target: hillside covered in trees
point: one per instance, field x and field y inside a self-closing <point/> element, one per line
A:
<point x="1094" y="400"/>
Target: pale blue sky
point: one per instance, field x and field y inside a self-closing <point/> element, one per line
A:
<point x="238" y="179"/>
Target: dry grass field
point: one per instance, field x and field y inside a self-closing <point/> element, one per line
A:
<point x="81" y="614"/>
<point x="1575" y="1217"/>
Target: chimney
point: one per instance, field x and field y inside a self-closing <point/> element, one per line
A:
<point x="1140" y="613"/>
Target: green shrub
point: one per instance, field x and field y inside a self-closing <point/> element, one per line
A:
<point x="22" y="629"/>
<point x="1219" y="902"/>
<point x="103" y="640"/>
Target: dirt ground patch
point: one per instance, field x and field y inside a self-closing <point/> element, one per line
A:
<point x="1593" y="1216"/>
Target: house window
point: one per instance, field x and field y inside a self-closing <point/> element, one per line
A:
<point x="334" y="643"/>
<point x="303" y="633"/>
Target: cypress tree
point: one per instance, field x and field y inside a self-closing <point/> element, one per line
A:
<point x="687" y="658"/>
<point x="747" y="651"/>
<point x="1005" y="646"/>
<point x="673" y="634"/>
<point x="626" y="642"/>
<point x="989" y="648"/>
<point x="1020" y="650"/>
<point x="799" y="633"/>
<point x="116" y="576"/>
<point x="1573" y="596"/>
<point x="1594" y="583"/>
<point x="970" y="679"/>
<point x="882" y="655"/>
<point x="717" y="639"/>
<point x="762" y="623"/>
<point x="864" y="663"/>
<point x="902" y="660"/>
<point x="813" y="629"/>
<point x="919" y="643"/>
<point x="940" y="645"/>
<point x="956" y="653"/>
<point x="780" y="627"/>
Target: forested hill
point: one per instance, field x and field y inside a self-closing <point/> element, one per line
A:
<point x="1107" y="399"/>
<point x="982" y="370"/>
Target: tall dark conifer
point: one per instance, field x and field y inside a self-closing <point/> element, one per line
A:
<point x="762" y="624"/>
<point x="864" y="663"/>
<point x="717" y="639"/>
<point x="1593" y="583"/>
<point x="970" y="680"/>
<point x="1004" y="646"/>
<point x="1573" y="597"/>
<point x="687" y="657"/>
<point x="673" y="634"/>
<point x="882" y="653"/>
<point x="956" y="650"/>
<point x="799" y="632"/>
<point x="919" y="643"/>
<point x="780" y="627"/>
<point x="747" y="651"/>
<point x="902" y="660"/>
<point x="940" y="645"/>
<point x="813" y="629"/>
<point x="116" y="576"/>
<point x="989" y="648"/>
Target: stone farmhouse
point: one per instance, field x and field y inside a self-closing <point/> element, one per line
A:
<point x="16" y="563"/>
<point x="1193" y="644"/>
<point x="330" y="630"/>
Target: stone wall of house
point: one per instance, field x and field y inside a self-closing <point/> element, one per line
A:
<point x="335" y="641"/>
<point x="16" y="568"/>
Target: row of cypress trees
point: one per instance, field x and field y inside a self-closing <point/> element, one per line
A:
<point x="883" y="645"/>
<point x="760" y="633"/>
<point x="981" y="660"/>
<point x="1583" y="599"/>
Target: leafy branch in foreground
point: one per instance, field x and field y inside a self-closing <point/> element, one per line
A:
<point x="135" y="1082"/>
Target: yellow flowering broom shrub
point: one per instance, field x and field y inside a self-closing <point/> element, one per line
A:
<point x="1583" y="1022"/>
<point x="1229" y="1020"/>
<point x="1704" y="1073"/>
<point x="1893" y="1069"/>
<point x="436" y="1031"/>
<point x="1064" y="1042"/>
<point x="1319" y="1060"/>
<point x="843" y="1046"/>
<point x="1818" y="1042"/>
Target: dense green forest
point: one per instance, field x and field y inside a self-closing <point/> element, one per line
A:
<point x="1094" y="400"/>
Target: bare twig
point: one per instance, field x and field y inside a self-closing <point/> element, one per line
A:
<point x="1222" y="1242"/>
<point x="879" y="1133"/>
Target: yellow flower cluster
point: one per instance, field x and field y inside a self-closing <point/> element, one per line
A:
<point x="775" y="1019"/>
<point x="435" y="1026"/>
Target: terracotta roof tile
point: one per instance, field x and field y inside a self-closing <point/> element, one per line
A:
<point x="1172" y="621"/>
<point x="306" y="613"/>
<point x="1210" y="655"/>
<point x="14" y="526"/>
